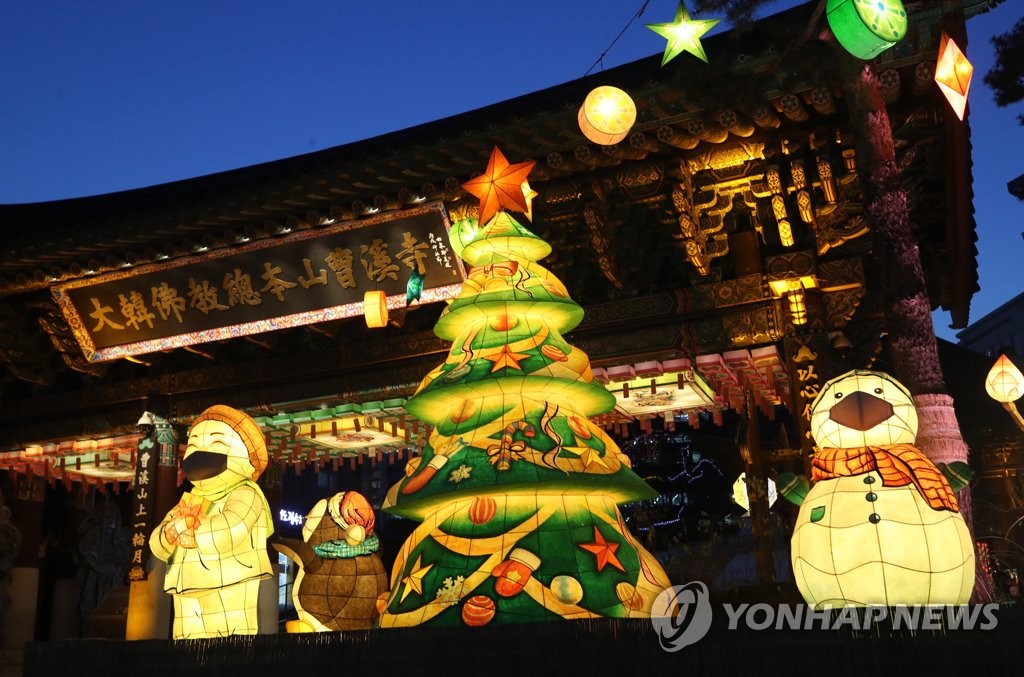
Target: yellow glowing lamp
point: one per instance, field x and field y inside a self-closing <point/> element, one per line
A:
<point x="881" y="525"/>
<point x="792" y="289"/>
<point x="607" y="115"/>
<point x="1005" y="382"/>
<point x="953" y="75"/>
<point x="375" y="308"/>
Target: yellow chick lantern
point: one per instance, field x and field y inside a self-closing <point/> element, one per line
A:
<point x="215" y="539"/>
<point x="881" y="525"/>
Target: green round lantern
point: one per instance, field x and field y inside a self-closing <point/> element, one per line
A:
<point x="866" y="28"/>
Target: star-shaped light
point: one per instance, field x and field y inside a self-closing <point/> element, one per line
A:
<point x="528" y="195"/>
<point x="603" y="551"/>
<point x="506" y="357"/>
<point x="683" y="35"/>
<point x="414" y="581"/>
<point x="501" y="186"/>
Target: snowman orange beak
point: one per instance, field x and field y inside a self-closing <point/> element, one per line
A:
<point x="861" y="411"/>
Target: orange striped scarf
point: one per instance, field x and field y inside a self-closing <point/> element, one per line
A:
<point x="898" y="465"/>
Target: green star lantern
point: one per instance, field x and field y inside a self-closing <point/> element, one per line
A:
<point x="866" y="28"/>
<point x="683" y="35"/>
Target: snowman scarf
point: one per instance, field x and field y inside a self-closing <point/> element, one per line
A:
<point x="897" y="464"/>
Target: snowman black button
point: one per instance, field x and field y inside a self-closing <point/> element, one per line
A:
<point x="870" y="479"/>
<point x="874" y="518"/>
<point x="871" y="496"/>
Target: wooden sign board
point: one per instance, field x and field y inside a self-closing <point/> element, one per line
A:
<point x="301" y="278"/>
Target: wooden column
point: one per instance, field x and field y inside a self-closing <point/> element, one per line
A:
<point x="156" y="491"/>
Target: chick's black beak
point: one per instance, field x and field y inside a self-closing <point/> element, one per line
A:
<point x="861" y="411"/>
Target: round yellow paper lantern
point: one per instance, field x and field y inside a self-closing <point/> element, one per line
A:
<point x="375" y="308"/>
<point x="607" y="115"/>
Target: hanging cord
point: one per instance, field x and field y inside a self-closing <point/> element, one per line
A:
<point x="600" y="59"/>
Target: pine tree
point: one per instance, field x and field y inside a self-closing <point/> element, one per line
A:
<point x="516" y="489"/>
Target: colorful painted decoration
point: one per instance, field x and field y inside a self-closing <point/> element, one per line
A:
<point x="215" y="539"/>
<point x="517" y="490"/>
<point x="683" y="35"/>
<point x="340" y="574"/>
<point x="500" y="186"/>
<point x="866" y="28"/>
<point x="375" y="308"/>
<point x="953" y="75"/>
<point x="607" y="115"/>
<point x="881" y="524"/>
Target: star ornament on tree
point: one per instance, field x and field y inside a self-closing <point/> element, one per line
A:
<point x="501" y="186"/>
<point x="683" y="35"/>
<point x="604" y="552"/>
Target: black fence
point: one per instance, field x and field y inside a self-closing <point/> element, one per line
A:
<point x="596" y="648"/>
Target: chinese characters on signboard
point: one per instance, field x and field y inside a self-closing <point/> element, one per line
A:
<point x="143" y="505"/>
<point x="310" y="276"/>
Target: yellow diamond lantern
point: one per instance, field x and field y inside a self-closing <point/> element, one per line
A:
<point x="953" y="75"/>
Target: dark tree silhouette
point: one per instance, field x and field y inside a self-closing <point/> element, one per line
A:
<point x="1006" y="78"/>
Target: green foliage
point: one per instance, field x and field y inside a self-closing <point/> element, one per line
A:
<point x="1006" y="78"/>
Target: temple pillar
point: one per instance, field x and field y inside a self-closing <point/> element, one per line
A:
<point x="267" y="607"/>
<point x="156" y="492"/>
<point x="27" y="517"/>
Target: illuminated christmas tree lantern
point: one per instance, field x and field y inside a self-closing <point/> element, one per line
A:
<point x="953" y="75"/>
<point x="516" y="489"/>
<point x="607" y="115"/>
<point x="866" y="28"/>
<point x="881" y="523"/>
<point x="215" y="539"/>
<point x="375" y="308"/>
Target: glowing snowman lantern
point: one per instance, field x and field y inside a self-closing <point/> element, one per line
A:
<point x="881" y="525"/>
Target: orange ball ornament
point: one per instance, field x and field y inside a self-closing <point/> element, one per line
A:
<point x="482" y="510"/>
<point x="504" y="322"/>
<point x="478" y="610"/>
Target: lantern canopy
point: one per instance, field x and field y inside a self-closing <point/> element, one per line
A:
<point x="1005" y="382"/>
<point x="607" y="115"/>
<point x="953" y="75"/>
<point x="866" y="28"/>
<point x="375" y="308"/>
